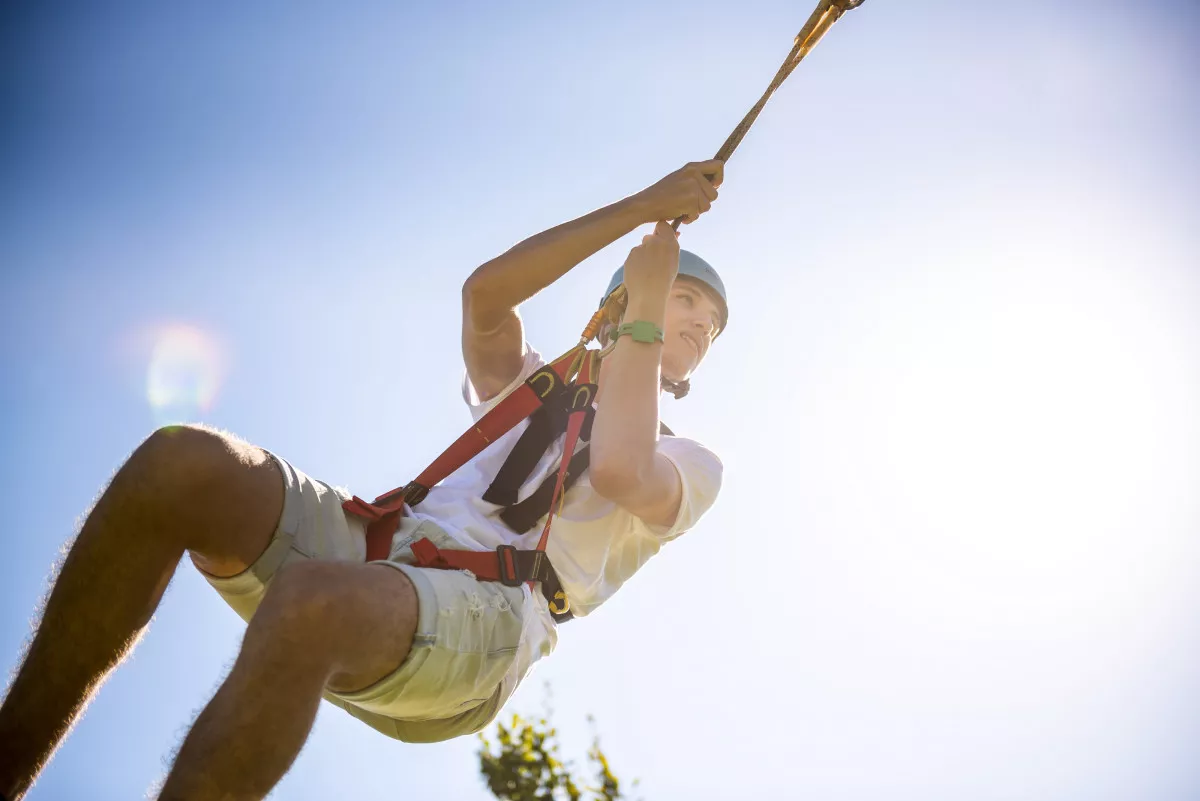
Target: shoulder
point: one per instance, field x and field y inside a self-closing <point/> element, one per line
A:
<point x="471" y="395"/>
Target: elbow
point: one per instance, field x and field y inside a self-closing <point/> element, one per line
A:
<point x="472" y="288"/>
<point x="482" y="280"/>
<point x="615" y="479"/>
<point x="479" y="301"/>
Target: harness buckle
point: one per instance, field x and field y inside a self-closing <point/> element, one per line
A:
<point x="506" y="555"/>
<point x="414" y="493"/>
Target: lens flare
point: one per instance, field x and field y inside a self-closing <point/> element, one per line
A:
<point x="184" y="375"/>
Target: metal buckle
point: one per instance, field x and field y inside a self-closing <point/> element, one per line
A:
<point x="506" y="555"/>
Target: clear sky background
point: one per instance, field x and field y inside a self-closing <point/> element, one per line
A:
<point x="956" y="554"/>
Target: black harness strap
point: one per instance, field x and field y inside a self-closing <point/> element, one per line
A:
<point x="522" y="516"/>
<point x="547" y="424"/>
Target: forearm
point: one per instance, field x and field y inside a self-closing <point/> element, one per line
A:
<point x="625" y="430"/>
<point x="526" y="269"/>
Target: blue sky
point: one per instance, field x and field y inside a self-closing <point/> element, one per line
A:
<point x="955" y="554"/>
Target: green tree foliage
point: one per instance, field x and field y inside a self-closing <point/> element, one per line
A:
<point x="521" y="762"/>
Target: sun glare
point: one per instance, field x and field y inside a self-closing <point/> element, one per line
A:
<point x="184" y="374"/>
<point x="1026" y="438"/>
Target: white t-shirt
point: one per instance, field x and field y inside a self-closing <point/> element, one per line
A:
<point x="595" y="545"/>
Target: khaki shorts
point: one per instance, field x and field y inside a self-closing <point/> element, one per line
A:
<point x="461" y="668"/>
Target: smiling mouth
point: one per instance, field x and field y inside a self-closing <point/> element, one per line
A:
<point x="695" y="345"/>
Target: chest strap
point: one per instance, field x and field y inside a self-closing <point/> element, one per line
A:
<point x="384" y="514"/>
<point x="546" y="425"/>
<point x="523" y="515"/>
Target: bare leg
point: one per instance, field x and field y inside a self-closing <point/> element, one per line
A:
<point x="336" y="624"/>
<point x="182" y="488"/>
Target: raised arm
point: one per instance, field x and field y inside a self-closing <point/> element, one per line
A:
<point x="626" y="466"/>
<point x="493" y="338"/>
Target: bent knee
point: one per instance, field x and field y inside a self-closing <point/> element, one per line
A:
<point x="197" y="452"/>
<point x="221" y="495"/>
<point x="193" y="465"/>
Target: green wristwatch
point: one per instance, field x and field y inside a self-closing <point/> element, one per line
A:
<point x="641" y="331"/>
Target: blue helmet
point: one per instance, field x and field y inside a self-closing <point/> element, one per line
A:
<point x="692" y="266"/>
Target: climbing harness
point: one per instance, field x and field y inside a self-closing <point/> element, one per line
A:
<point x="568" y="382"/>
<point x="564" y="388"/>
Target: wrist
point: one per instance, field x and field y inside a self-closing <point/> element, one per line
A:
<point x="642" y="331"/>
<point x="639" y="208"/>
<point x="649" y="306"/>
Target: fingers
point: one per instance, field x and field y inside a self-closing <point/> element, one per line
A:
<point x="700" y="205"/>
<point x="703" y="185"/>
<point x="686" y="193"/>
<point x="713" y="171"/>
<point x="663" y="229"/>
<point x="698" y="197"/>
<point x="706" y="177"/>
<point x="662" y="232"/>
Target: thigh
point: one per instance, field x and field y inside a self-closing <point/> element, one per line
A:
<point x="358" y="620"/>
<point x="227" y="498"/>
<point x="312" y="526"/>
<point x="376" y="623"/>
<point x="474" y="642"/>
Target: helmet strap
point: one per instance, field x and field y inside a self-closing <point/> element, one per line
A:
<point x="676" y="388"/>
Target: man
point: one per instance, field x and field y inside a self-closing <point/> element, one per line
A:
<point x="421" y="654"/>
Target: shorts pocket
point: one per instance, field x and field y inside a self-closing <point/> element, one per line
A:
<point x="412" y="530"/>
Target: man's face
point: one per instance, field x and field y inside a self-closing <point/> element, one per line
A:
<point x="693" y="319"/>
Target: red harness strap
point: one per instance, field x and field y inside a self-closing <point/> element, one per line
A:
<point x="583" y="394"/>
<point x="507" y="565"/>
<point x="510" y="565"/>
<point x="384" y="512"/>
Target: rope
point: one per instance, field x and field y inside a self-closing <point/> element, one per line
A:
<point x="827" y="13"/>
